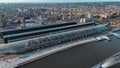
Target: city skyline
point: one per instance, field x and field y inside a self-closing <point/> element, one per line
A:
<point x="53" y="1"/>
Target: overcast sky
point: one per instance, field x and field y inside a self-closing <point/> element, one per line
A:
<point x="52" y="1"/>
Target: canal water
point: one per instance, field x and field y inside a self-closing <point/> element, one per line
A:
<point x="82" y="56"/>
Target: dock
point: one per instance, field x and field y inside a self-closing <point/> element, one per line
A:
<point x="116" y="35"/>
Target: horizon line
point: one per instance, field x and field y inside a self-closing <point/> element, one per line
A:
<point x="63" y="2"/>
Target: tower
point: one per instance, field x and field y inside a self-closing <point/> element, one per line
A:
<point x="90" y="15"/>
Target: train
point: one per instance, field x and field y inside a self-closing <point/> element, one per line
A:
<point x="51" y="40"/>
<point x="115" y="22"/>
